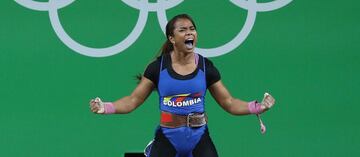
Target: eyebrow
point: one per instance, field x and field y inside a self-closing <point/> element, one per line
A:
<point x="182" y="27"/>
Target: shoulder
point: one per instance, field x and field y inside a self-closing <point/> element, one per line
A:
<point x="211" y="72"/>
<point x="155" y="63"/>
<point x="152" y="70"/>
<point x="208" y="62"/>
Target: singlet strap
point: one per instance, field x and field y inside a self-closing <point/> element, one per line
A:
<point x="204" y="68"/>
<point x="196" y="59"/>
<point x="203" y="59"/>
<point x="161" y="62"/>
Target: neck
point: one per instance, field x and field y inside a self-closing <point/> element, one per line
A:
<point x="182" y="57"/>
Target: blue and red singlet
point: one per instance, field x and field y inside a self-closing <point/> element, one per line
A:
<point x="182" y="95"/>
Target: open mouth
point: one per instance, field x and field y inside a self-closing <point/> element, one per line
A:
<point x="189" y="43"/>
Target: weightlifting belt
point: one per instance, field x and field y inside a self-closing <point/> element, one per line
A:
<point x="171" y="120"/>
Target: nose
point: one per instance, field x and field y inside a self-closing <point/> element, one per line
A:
<point x="189" y="32"/>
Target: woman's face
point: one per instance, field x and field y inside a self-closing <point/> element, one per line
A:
<point x="184" y="36"/>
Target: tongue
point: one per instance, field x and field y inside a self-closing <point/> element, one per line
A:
<point x="189" y="45"/>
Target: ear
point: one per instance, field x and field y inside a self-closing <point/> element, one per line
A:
<point x="171" y="39"/>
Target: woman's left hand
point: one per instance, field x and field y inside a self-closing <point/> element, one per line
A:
<point x="267" y="102"/>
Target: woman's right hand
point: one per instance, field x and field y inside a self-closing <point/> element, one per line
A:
<point x="97" y="106"/>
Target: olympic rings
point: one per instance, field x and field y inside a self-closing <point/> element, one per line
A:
<point x="144" y="8"/>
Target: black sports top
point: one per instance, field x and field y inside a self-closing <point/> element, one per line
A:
<point x="153" y="70"/>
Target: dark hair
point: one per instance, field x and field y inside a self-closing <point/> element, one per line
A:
<point x="167" y="47"/>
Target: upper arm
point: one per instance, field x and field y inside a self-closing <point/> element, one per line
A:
<point x="221" y="94"/>
<point x="146" y="85"/>
<point x="137" y="97"/>
<point x="142" y="90"/>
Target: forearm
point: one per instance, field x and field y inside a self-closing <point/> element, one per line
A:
<point x="126" y="104"/>
<point x="239" y="107"/>
<point x="236" y="106"/>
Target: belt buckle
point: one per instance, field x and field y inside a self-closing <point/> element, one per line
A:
<point x="188" y="119"/>
<point x="203" y="121"/>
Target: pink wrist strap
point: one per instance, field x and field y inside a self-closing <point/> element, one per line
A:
<point x="254" y="107"/>
<point x="109" y="108"/>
